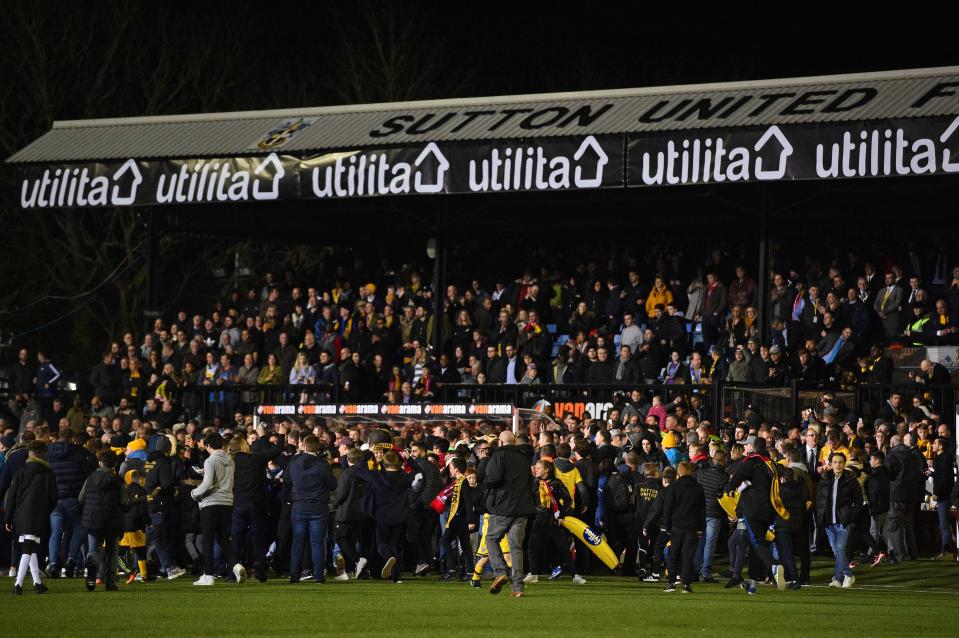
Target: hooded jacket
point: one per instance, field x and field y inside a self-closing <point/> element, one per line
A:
<point x="31" y="499"/>
<point x="217" y="485"/>
<point x="163" y="477"/>
<point x="104" y="500"/>
<point x="754" y="501"/>
<point x="905" y="474"/>
<point x="569" y="475"/>
<point x="312" y="480"/>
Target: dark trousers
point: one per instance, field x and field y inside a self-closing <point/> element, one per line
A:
<point x="347" y="536"/>
<point x="788" y="542"/>
<point x="623" y="534"/>
<point x="389" y="542"/>
<point x="752" y="536"/>
<point x="103" y="552"/>
<point x="681" y="553"/>
<point x="249" y="530"/>
<point x="544" y="540"/>
<point x="420" y="527"/>
<point x="215" y="522"/>
<point x="458" y="532"/>
<point x="284" y="537"/>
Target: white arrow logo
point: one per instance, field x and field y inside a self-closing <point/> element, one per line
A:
<point x="278" y="173"/>
<point x="442" y="166"/>
<point x="132" y="167"/>
<point x="787" y="150"/>
<point x="949" y="167"/>
<point x="602" y="159"/>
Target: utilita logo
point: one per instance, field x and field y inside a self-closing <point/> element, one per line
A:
<point x="698" y="161"/>
<point x="357" y="174"/>
<point x="66" y="187"/>
<point x="529" y="168"/>
<point x="216" y="181"/>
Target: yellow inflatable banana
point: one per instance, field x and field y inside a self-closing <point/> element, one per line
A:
<point x="591" y="539"/>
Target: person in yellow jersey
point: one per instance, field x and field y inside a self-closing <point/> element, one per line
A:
<point x="569" y="475"/>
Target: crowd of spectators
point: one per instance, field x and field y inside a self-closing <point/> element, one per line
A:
<point x="372" y="339"/>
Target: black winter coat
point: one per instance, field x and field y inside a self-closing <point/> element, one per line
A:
<point x="943" y="478"/>
<point x="388" y="500"/>
<point x="684" y="505"/>
<point x="877" y="490"/>
<point x="72" y="465"/>
<point x="137" y="515"/>
<point x="794" y="497"/>
<point x="163" y="478"/>
<point x="104" y="501"/>
<point x="848" y="499"/>
<point x="31" y="499"/>
<point x="432" y="481"/>
<point x="350" y="492"/>
<point x="249" y="478"/>
<point x="754" y="501"/>
<point x="905" y="474"/>
<point x="713" y="478"/>
<point x="508" y="483"/>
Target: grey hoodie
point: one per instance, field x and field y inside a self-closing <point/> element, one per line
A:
<point x="217" y="485"/>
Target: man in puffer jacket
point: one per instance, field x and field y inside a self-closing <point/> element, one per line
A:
<point x="215" y="496"/>
<point x="104" y="500"/>
<point x="72" y="465"/>
<point x="423" y="519"/>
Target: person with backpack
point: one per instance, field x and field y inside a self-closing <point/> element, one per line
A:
<point x="552" y="503"/>
<point x="753" y="478"/>
<point x="28" y="503"/>
<point x="619" y="505"/>
<point x="104" y="499"/>
<point x="312" y="480"/>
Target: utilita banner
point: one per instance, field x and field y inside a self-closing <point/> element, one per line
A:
<point x="921" y="146"/>
<point x="537" y="165"/>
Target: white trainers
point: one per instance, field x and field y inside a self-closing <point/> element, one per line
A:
<point x="387" y="571"/>
<point x="12" y="573"/>
<point x="848" y="581"/>
<point x="531" y="578"/>
<point x="240" y="572"/>
<point x="421" y="569"/>
<point x="360" y="566"/>
<point x="835" y="583"/>
<point x="579" y="580"/>
<point x="176" y="572"/>
<point x="340" y="566"/>
<point x="204" y="581"/>
<point x="342" y="577"/>
<point x="779" y="574"/>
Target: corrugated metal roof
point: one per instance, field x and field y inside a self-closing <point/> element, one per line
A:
<point x="229" y="134"/>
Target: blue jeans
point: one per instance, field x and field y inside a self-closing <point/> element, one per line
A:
<point x="157" y="536"/>
<point x="66" y="533"/>
<point x="837" y="535"/>
<point x="703" y="559"/>
<point x="313" y="524"/>
<point x="945" y="524"/>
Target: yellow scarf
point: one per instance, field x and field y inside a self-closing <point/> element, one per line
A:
<point x="454" y="500"/>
